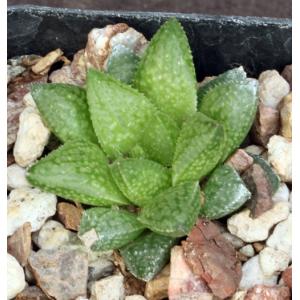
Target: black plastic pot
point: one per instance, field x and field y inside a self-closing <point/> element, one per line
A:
<point x="218" y="43"/>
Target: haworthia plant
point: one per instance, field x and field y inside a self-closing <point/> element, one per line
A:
<point x="199" y="148"/>
<point x="272" y="177"/>
<point x="145" y="147"/>
<point x="65" y="111"/>
<point x="174" y="211"/>
<point x="123" y="119"/>
<point x="78" y="170"/>
<point x="166" y="73"/>
<point x="122" y="63"/>
<point x="231" y="100"/>
<point x="112" y="228"/>
<point x="147" y="255"/>
<point x="140" y="179"/>
<point x="224" y="193"/>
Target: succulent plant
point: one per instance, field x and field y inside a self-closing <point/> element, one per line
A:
<point x="145" y="145"/>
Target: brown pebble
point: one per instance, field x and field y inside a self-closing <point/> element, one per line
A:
<point x="287" y="74"/>
<point x="69" y="215"/>
<point x="157" y="288"/>
<point x="266" y="124"/>
<point x="211" y="257"/>
<point x="43" y="65"/>
<point x="242" y="257"/>
<point x="258" y="246"/>
<point x="10" y="159"/>
<point x="183" y="283"/>
<point x="287" y="277"/>
<point x="31" y="293"/>
<point x="19" y="244"/>
<point x="240" y="160"/>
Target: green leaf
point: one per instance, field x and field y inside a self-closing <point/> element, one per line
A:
<point x="114" y="228"/>
<point x="198" y="150"/>
<point x="231" y="100"/>
<point x="166" y="74"/>
<point x="64" y="109"/>
<point x="236" y="74"/>
<point x="174" y="211"/>
<point x="147" y="255"/>
<point x="125" y="120"/>
<point x="272" y="177"/>
<point x="79" y="171"/>
<point x="122" y="63"/>
<point x="140" y="179"/>
<point x="225" y="192"/>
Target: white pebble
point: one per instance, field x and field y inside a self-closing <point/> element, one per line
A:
<point x="254" y="230"/>
<point x="32" y="137"/>
<point x="273" y="261"/>
<point x="109" y="288"/>
<point x="16" y="177"/>
<point x="29" y="205"/>
<point x="280" y="156"/>
<point x="53" y="235"/>
<point x="15" y="277"/>
<point x="239" y="295"/>
<point x="272" y="88"/>
<point x="281" y="238"/>
<point x="247" y="250"/>
<point x="135" y="297"/>
<point x="28" y="100"/>
<point x="282" y="194"/>
<point x="252" y="275"/>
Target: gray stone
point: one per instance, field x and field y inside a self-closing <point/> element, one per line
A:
<point x="61" y="274"/>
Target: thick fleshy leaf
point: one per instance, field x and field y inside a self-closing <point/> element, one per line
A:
<point x="140" y="179"/>
<point x="174" y="211"/>
<point x="231" y="100"/>
<point x="64" y="109"/>
<point x="147" y="255"/>
<point x="108" y="229"/>
<point x="272" y="177"/>
<point x="122" y="63"/>
<point x="224" y="193"/>
<point x="198" y="150"/>
<point x="236" y="74"/>
<point x="125" y="120"/>
<point x="79" y="171"/>
<point x="166" y="74"/>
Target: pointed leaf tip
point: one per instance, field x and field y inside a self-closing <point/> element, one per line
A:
<point x="166" y="74"/>
<point x="64" y="109"/>
<point x="125" y="120"/>
<point x="79" y="171"/>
